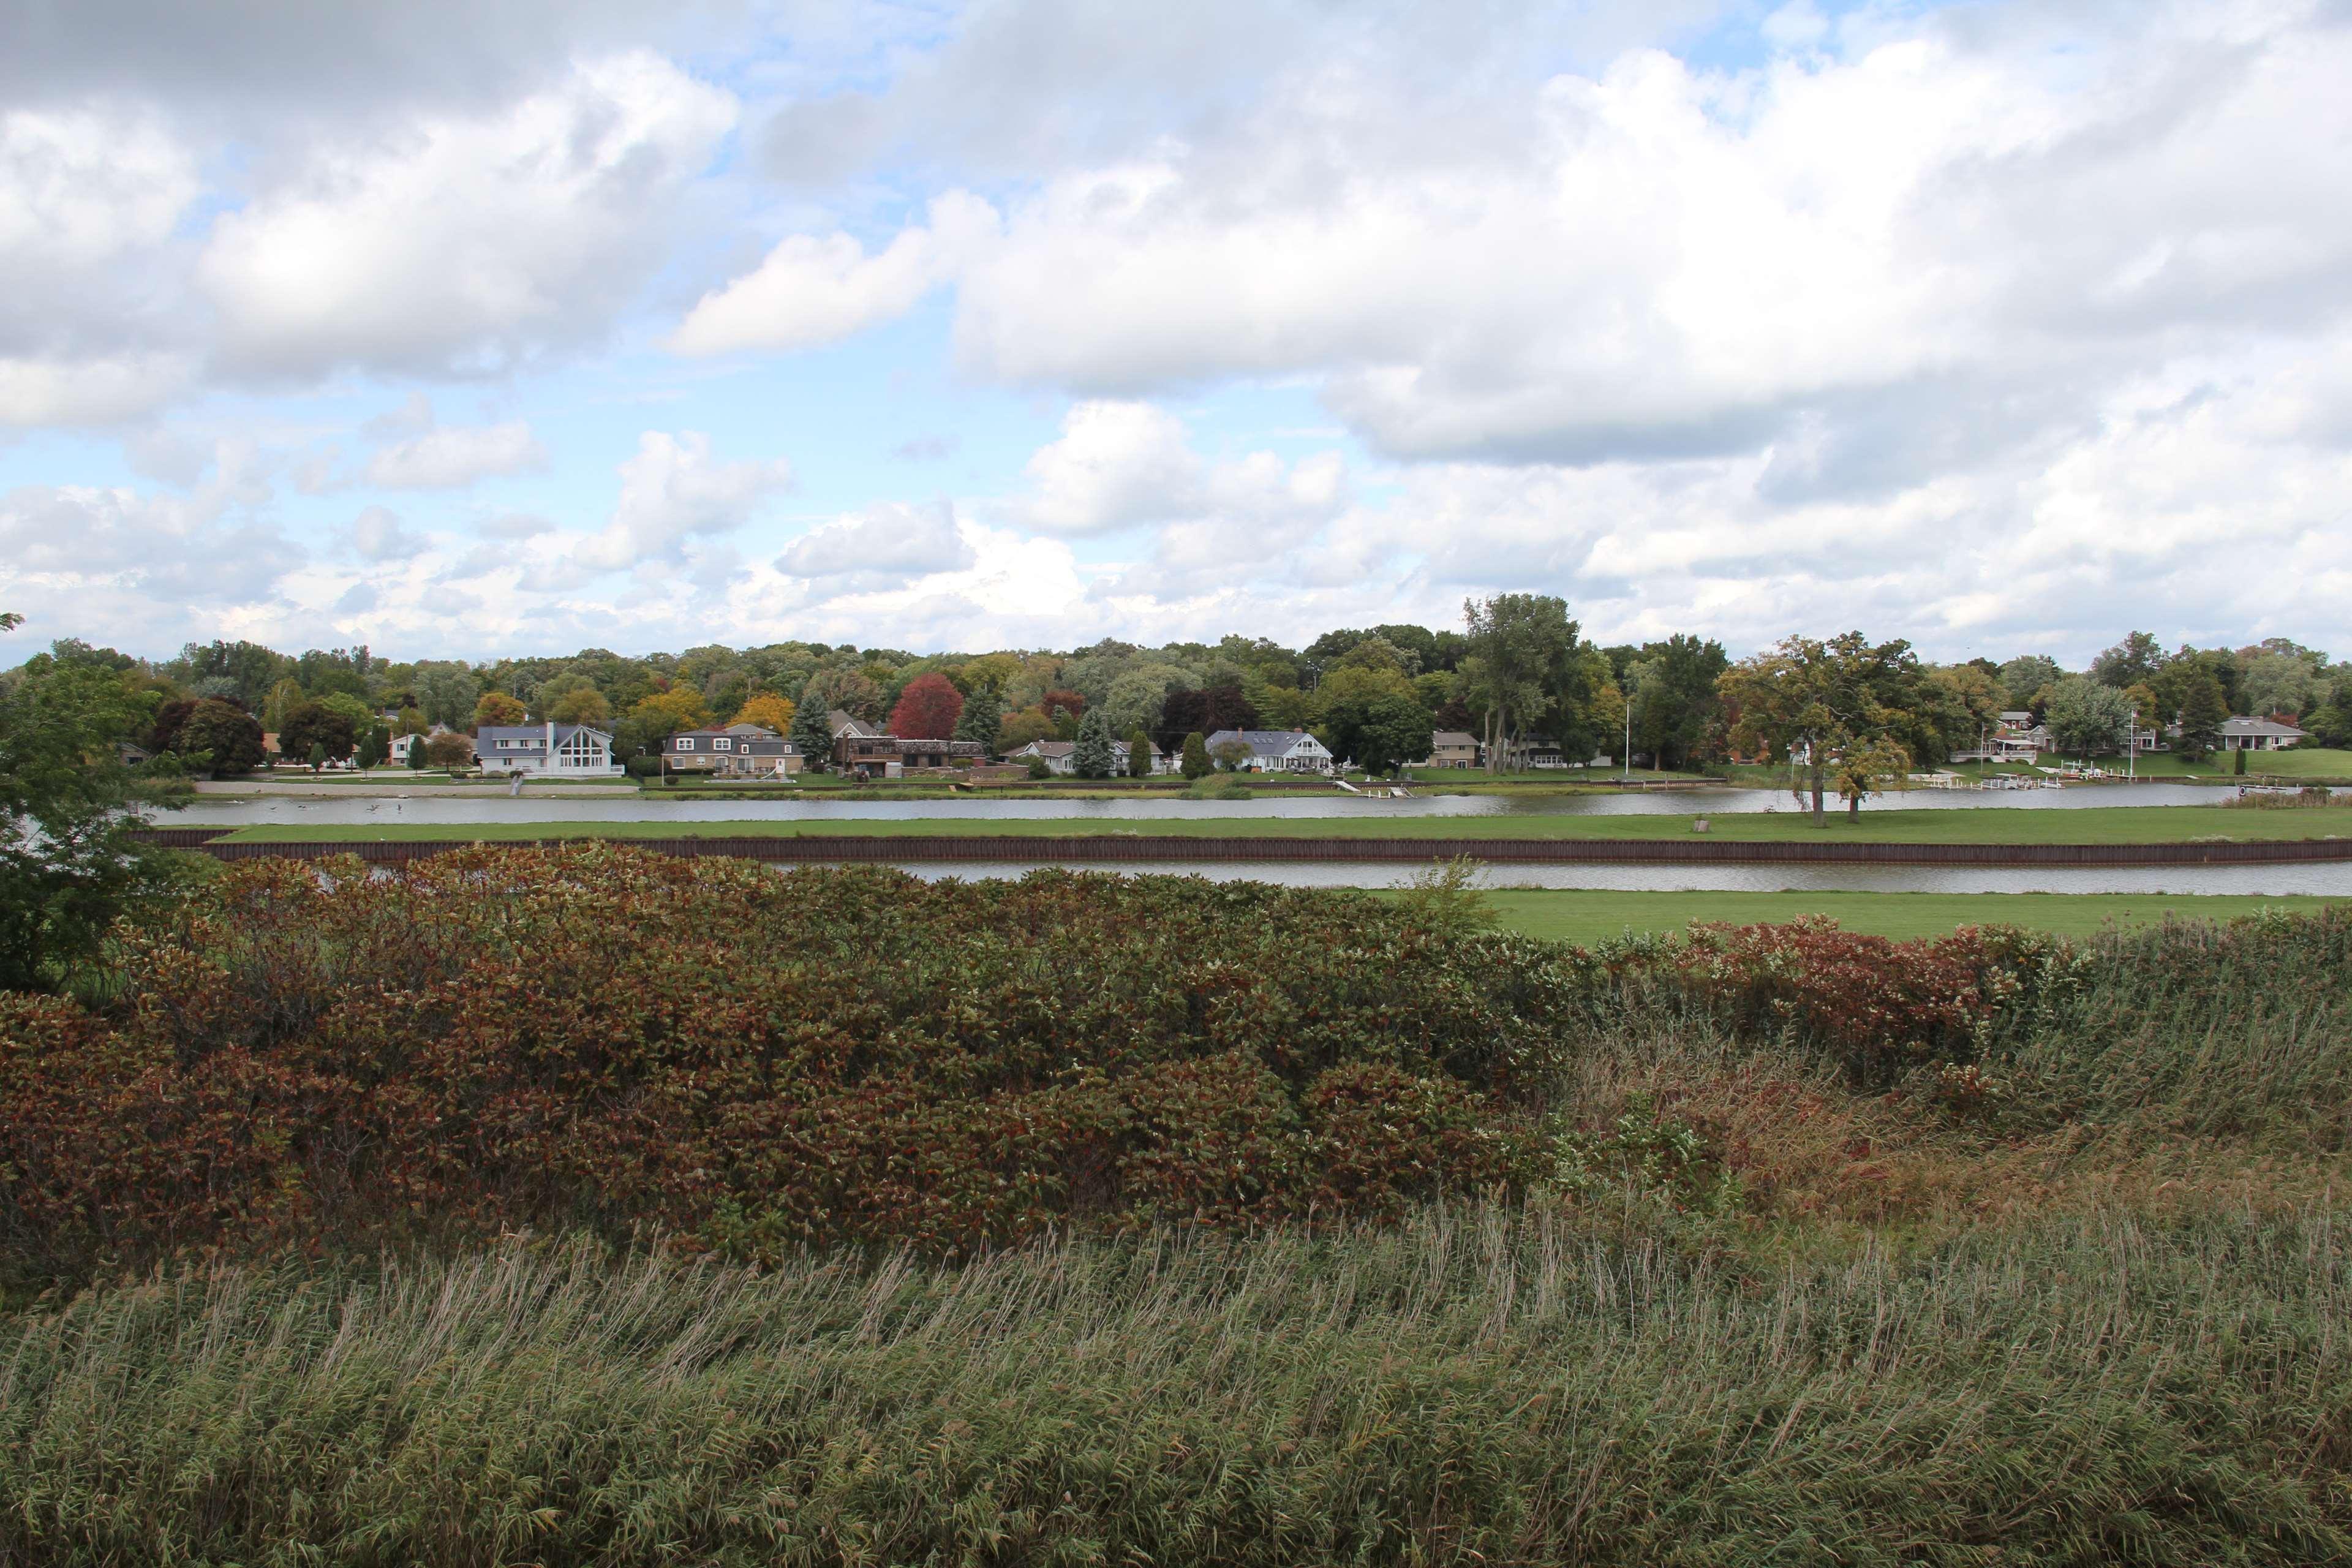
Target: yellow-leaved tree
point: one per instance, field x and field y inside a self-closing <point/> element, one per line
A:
<point x="769" y="712"/>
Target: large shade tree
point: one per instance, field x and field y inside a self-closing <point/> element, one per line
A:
<point x="1818" y="700"/>
<point x="1520" y="658"/>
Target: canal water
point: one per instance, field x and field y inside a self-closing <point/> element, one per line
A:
<point x="459" y="811"/>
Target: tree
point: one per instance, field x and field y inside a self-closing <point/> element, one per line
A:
<point x="581" y="705"/>
<point x="164" y="734"/>
<point x="1518" y="649"/>
<point x="224" y="734"/>
<point x="1676" y="701"/>
<point x="2282" y="683"/>
<point x="811" y="737"/>
<point x="69" y="866"/>
<point x="1018" y="729"/>
<point x="928" y="709"/>
<point x="1230" y="755"/>
<point x="1138" y="753"/>
<point x="679" y="708"/>
<point x="2087" y="717"/>
<point x="1094" y="757"/>
<point x="314" y="727"/>
<point x="980" y="720"/>
<point x="2022" y="676"/>
<point x="769" y="712"/>
<point x="1392" y="731"/>
<point x="1967" y="704"/>
<point x="416" y="744"/>
<point x="494" y="708"/>
<point x="449" y="750"/>
<point x="1221" y="706"/>
<point x="1196" y="765"/>
<point x="852" y="691"/>
<point x="1815" y="699"/>
<point x="1861" y="765"/>
<point x="2203" y="710"/>
<point x="318" y="758"/>
<point x="2134" y="662"/>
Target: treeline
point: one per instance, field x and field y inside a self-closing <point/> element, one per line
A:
<point x="1519" y="669"/>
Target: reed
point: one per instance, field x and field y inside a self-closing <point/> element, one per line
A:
<point x="1476" y="1385"/>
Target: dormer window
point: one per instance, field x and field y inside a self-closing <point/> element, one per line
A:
<point x="725" y="744"/>
<point x="685" y="743"/>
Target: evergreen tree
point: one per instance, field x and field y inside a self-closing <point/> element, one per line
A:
<point x="1093" y="758"/>
<point x="981" y="719"/>
<point x="2203" y="710"/>
<point x="416" y="754"/>
<point x="317" y="755"/>
<point x="1196" y="765"/>
<point x="812" y="736"/>
<point x="1138" y="754"/>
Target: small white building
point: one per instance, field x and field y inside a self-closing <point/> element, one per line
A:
<point x="566" y="751"/>
<point x="1276" y="751"/>
<point x="1062" y="757"/>
<point x="2244" y="734"/>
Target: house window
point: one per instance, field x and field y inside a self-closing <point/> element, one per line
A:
<point x="724" y="744"/>
<point x="685" y="743"/>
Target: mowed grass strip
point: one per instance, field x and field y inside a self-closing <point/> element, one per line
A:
<point x="1585" y="916"/>
<point x="1989" y="824"/>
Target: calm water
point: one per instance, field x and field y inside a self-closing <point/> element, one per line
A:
<point x="227" y="811"/>
<point x="2332" y="880"/>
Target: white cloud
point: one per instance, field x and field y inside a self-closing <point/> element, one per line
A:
<point x="376" y="534"/>
<point x="466" y="242"/>
<point x="449" y="458"/>
<point x="65" y="392"/>
<point x="1116" y="464"/>
<point x="895" y="541"/>
<point x="672" y="491"/>
<point x="819" y="289"/>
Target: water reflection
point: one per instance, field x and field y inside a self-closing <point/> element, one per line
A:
<point x="2331" y="879"/>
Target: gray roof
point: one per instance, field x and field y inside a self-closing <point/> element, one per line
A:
<point x="533" y="736"/>
<point x="2240" y="725"/>
<point x="1264" y="742"/>
<point x="1451" y="738"/>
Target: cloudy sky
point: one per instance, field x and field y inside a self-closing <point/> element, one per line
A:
<point x="462" y="327"/>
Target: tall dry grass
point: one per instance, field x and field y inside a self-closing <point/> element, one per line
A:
<point x="1477" y="1386"/>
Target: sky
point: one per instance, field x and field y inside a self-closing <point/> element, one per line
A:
<point x="463" y="327"/>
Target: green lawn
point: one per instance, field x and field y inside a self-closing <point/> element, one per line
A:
<point x="2089" y="824"/>
<point x="1585" y="917"/>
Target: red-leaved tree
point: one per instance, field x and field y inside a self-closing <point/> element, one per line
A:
<point x="928" y="709"/>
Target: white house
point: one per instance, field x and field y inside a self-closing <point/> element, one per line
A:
<point x="568" y="750"/>
<point x="1062" y="756"/>
<point x="1276" y="751"/>
<point x="2244" y="734"/>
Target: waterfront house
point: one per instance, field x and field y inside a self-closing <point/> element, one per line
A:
<point x="736" y="751"/>
<point x="1276" y="751"/>
<point x="548" y="748"/>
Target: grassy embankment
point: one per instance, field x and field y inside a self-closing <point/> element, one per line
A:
<point x="1586" y="917"/>
<point x="1810" y="1251"/>
<point x="2084" y="825"/>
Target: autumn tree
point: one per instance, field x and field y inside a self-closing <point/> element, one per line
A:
<point x="1863" y="766"/>
<point x="926" y="710"/>
<point x="1817" y="700"/>
<point x="490" y="708"/>
<point x="448" y="750"/>
<point x="769" y="712"/>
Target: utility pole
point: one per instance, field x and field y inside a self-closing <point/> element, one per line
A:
<point x="1625" y="763"/>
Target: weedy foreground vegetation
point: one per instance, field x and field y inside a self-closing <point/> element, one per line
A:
<point x="585" y="1207"/>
